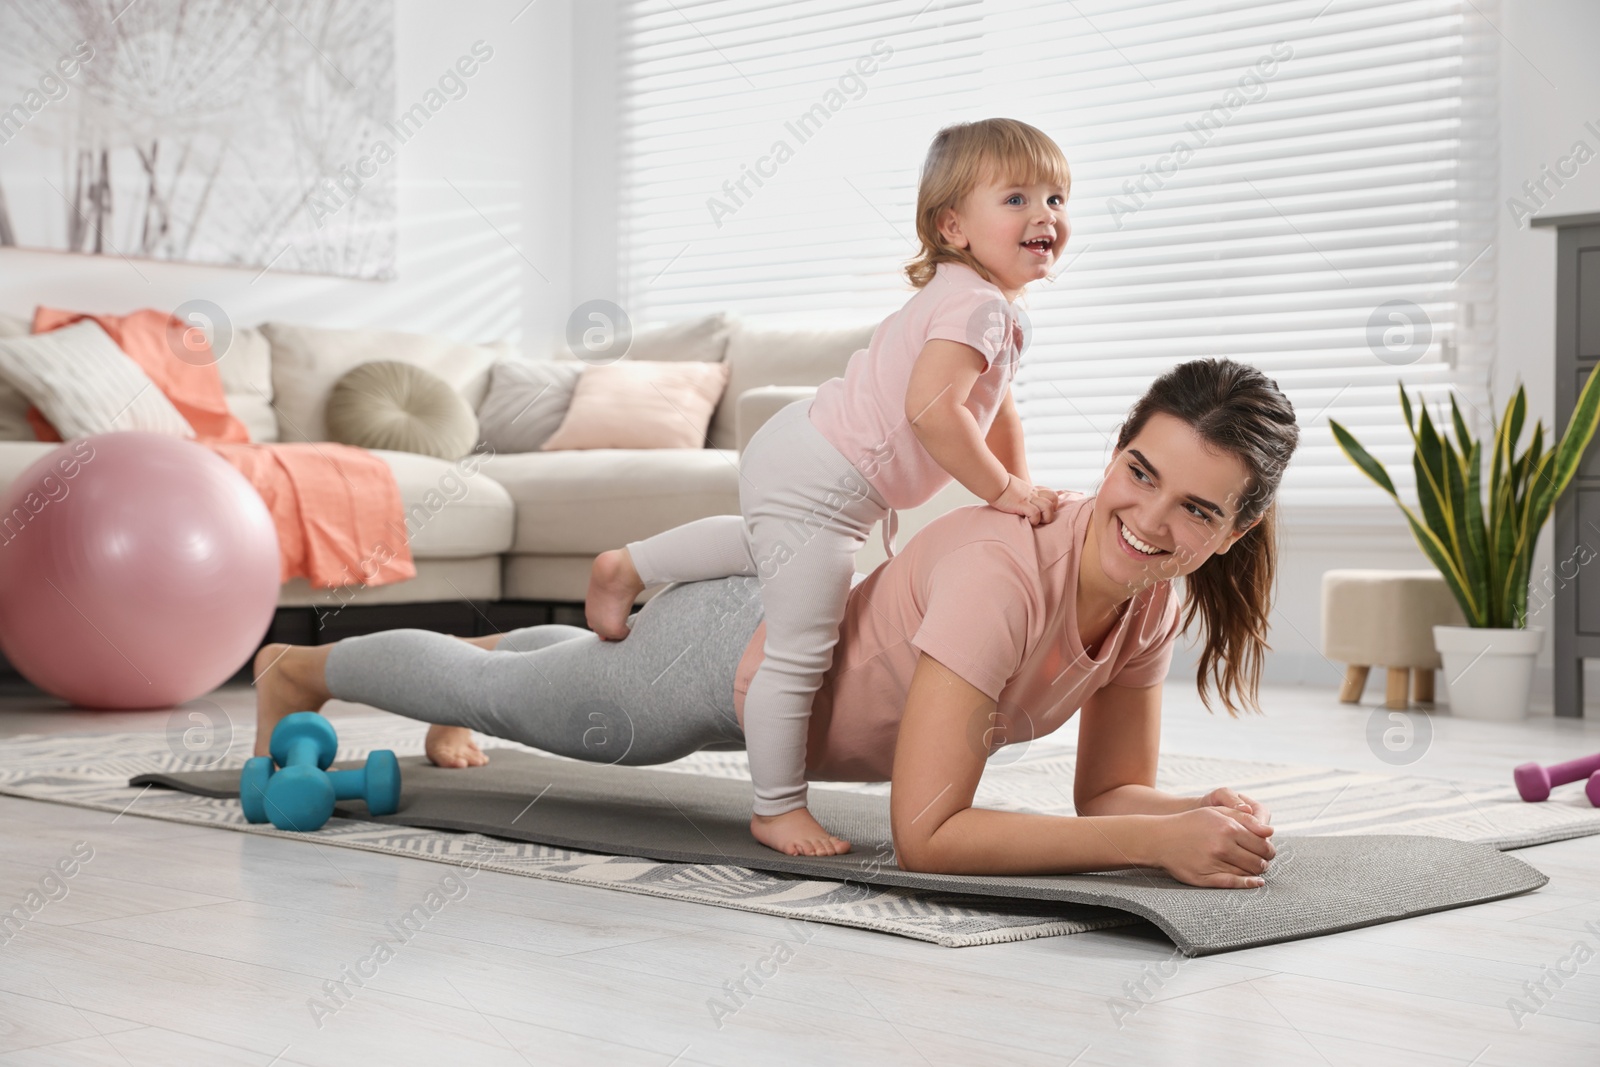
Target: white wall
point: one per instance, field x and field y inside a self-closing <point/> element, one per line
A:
<point x="1549" y="87"/>
<point x="594" y="151"/>
<point x="504" y="145"/>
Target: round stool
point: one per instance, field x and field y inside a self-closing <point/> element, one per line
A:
<point x="1385" y="619"/>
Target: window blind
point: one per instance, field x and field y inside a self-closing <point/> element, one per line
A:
<point x="1304" y="186"/>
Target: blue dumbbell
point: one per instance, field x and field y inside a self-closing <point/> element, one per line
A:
<point x="301" y="792"/>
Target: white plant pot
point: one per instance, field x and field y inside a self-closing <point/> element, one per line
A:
<point x="1488" y="672"/>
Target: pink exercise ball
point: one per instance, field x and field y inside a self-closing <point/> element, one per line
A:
<point x="136" y="571"/>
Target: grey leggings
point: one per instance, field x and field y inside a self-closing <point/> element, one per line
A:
<point x="660" y="694"/>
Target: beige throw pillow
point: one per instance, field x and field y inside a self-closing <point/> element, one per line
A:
<point x="527" y="401"/>
<point x="84" y="384"/>
<point x="636" y="404"/>
<point x="13" y="404"/>
<point x="246" y="370"/>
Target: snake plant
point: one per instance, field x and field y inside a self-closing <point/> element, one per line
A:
<point x="1485" y="560"/>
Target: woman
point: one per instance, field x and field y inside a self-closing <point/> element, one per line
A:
<point x="984" y="630"/>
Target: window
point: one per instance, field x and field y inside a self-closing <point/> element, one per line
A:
<point x="1304" y="185"/>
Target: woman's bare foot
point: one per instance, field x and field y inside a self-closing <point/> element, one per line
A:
<point x="614" y="584"/>
<point x="796" y="833"/>
<point x="289" y="678"/>
<point x="488" y="641"/>
<point x="453" y="746"/>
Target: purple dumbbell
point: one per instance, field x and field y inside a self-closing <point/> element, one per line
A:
<point x="1535" y="782"/>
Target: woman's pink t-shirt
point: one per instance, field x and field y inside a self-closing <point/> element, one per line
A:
<point x="993" y="599"/>
<point x="863" y="414"/>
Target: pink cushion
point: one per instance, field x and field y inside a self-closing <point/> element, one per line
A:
<point x="641" y="404"/>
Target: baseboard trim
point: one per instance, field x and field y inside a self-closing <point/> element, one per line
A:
<point x="459" y="618"/>
<point x="1308" y="668"/>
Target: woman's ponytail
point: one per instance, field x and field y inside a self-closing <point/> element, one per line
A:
<point x="1234" y="407"/>
<point x="1232" y="594"/>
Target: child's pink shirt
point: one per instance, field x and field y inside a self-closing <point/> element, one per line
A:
<point x="863" y="414"/>
<point x="992" y="598"/>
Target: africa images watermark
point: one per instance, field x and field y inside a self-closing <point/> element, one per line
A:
<point x="1536" y="994"/>
<point x="51" y="888"/>
<point x="1556" y="577"/>
<point x="851" y="85"/>
<point x="337" y="191"/>
<point x="1398" y="736"/>
<point x="50" y="489"/>
<point x="1540" y="190"/>
<point x="737" y="992"/>
<point x="51" y="90"/>
<point x="848" y="488"/>
<point x="338" y="992"/>
<point x="1251" y="87"/>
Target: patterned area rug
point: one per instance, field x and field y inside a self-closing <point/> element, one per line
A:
<point x="93" y="770"/>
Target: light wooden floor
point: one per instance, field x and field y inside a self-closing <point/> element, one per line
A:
<point x="179" y="945"/>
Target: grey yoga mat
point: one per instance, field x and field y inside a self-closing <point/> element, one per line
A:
<point x="1317" y="885"/>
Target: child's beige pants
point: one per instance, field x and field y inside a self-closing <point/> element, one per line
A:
<point x="806" y="510"/>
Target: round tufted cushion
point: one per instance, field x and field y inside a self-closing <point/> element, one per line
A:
<point x="403" y="408"/>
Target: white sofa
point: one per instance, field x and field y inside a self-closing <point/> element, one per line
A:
<point x="519" y="527"/>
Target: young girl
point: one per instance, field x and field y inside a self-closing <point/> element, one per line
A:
<point x="928" y="401"/>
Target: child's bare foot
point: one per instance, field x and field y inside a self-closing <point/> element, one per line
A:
<point x="453" y="746"/>
<point x="289" y="678"/>
<point x="614" y="584"/>
<point x="796" y="833"/>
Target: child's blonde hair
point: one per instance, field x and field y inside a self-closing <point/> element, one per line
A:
<point x="961" y="158"/>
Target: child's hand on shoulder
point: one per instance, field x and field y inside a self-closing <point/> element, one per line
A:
<point x="1038" y="504"/>
<point x="1049" y="501"/>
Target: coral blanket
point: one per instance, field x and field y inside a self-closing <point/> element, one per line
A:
<point x="338" y="510"/>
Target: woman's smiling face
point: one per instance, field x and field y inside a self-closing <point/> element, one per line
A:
<point x="1171" y="492"/>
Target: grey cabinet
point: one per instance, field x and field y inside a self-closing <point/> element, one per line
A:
<point x="1575" y="623"/>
